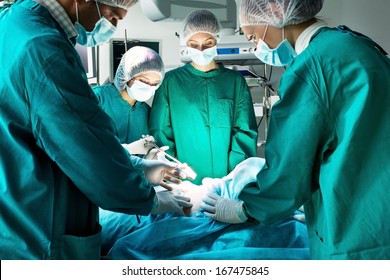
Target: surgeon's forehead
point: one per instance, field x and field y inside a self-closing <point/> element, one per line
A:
<point x="150" y="75"/>
<point x="201" y="36"/>
<point x="118" y="12"/>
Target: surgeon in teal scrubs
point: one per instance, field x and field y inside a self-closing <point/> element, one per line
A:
<point x="202" y="110"/>
<point x="138" y="75"/>
<point x="60" y="158"/>
<point x="328" y="142"/>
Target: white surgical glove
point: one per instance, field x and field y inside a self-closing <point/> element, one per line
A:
<point x="156" y="170"/>
<point x="152" y="154"/>
<point x="159" y="171"/>
<point x="194" y="192"/>
<point x="140" y="147"/>
<point x="225" y="210"/>
<point x="184" y="171"/>
<point x="166" y="202"/>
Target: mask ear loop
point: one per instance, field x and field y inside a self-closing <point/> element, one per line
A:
<point x="77" y="12"/>
<point x="265" y="31"/>
<point x="97" y="6"/>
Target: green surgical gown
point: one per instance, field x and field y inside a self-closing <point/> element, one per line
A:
<point x="328" y="147"/>
<point x="131" y="121"/>
<point x="206" y="118"/>
<point x="59" y="157"/>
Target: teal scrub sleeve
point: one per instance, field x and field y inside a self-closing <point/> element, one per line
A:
<point x="99" y="91"/>
<point x="79" y="137"/>
<point x="160" y="119"/>
<point x="244" y="130"/>
<point x="296" y="144"/>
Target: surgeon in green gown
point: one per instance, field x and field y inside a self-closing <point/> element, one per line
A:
<point x="202" y="110"/>
<point x="138" y="75"/>
<point x="59" y="156"/>
<point x="328" y="142"/>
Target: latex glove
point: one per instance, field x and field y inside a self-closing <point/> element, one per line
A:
<point x="172" y="176"/>
<point x="194" y="192"/>
<point x="139" y="147"/>
<point x="161" y="171"/>
<point x="152" y="154"/>
<point x="183" y="170"/>
<point x="186" y="171"/>
<point x="225" y="210"/>
<point x="156" y="170"/>
<point x="300" y="215"/>
<point x="166" y="202"/>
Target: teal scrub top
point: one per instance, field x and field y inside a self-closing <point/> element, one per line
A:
<point x="131" y="122"/>
<point x="59" y="157"/>
<point x="328" y="148"/>
<point x="206" y="118"/>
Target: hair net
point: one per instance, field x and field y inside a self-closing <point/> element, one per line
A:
<point x="136" y="61"/>
<point x="200" y="21"/>
<point x="125" y="4"/>
<point x="278" y="13"/>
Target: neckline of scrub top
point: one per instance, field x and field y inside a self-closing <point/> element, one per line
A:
<point x="304" y="38"/>
<point x="208" y="74"/>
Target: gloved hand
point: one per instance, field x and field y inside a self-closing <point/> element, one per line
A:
<point x="183" y="170"/>
<point x="161" y="171"/>
<point x="140" y="147"/>
<point x="166" y="202"/>
<point x="225" y="210"/>
<point x="194" y="192"/>
<point x="156" y="170"/>
<point x="152" y="154"/>
<point x="186" y="171"/>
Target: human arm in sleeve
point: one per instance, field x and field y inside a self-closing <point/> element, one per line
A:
<point x="80" y="138"/>
<point x="160" y="119"/>
<point x="244" y="131"/>
<point x="297" y="143"/>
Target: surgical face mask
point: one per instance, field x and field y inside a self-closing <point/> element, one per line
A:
<point x="101" y="33"/>
<point x="282" y="55"/>
<point x="204" y="57"/>
<point x="141" y="91"/>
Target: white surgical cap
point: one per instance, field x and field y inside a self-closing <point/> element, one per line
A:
<point x="278" y="13"/>
<point x="200" y="21"/>
<point x="136" y="61"/>
<point x="124" y="4"/>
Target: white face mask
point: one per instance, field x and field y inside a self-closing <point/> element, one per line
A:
<point x="282" y="55"/>
<point x="204" y="57"/>
<point x="141" y="91"/>
<point x="101" y="33"/>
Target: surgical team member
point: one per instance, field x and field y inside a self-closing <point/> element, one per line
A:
<point x="138" y="75"/>
<point x="328" y="142"/>
<point x="60" y="158"/>
<point x="202" y="110"/>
